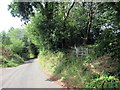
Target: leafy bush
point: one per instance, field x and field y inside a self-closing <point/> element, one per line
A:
<point x="17" y="59"/>
<point x="8" y="63"/>
<point x="108" y="42"/>
<point x="16" y="47"/>
<point x="14" y="60"/>
<point x="11" y="64"/>
<point x="67" y="66"/>
<point x="104" y="82"/>
<point x="4" y="60"/>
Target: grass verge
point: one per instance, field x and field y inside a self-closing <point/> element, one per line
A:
<point x="80" y="72"/>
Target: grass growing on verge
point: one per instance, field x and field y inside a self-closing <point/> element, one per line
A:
<point x="15" y="60"/>
<point x="80" y="72"/>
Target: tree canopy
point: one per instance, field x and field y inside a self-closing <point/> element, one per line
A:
<point x="56" y="25"/>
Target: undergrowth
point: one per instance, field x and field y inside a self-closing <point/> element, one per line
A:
<point x="14" y="60"/>
<point x="76" y="70"/>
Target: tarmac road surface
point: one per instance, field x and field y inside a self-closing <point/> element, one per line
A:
<point x="28" y="75"/>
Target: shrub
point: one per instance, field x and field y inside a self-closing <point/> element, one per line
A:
<point x="8" y="63"/>
<point x="104" y="82"/>
<point x="67" y="66"/>
<point x="109" y="43"/>
<point x="14" y="60"/>
<point x="4" y="60"/>
<point x="17" y="59"/>
<point x="11" y="63"/>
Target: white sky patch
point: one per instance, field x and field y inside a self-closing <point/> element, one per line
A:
<point x="6" y="19"/>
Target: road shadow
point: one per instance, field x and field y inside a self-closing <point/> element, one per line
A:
<point x="30" y="60"/>
<point x="52" y="79"/>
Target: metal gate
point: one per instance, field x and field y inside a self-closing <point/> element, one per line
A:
<point x="81" y="51"/>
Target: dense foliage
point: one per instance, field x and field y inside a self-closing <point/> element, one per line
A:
<point x="79" y="72"/>
<point x="16" y="47"/>
<point x="53" y="28"/>
<point x="105" y="82"/>
<point x="63" y="25"/>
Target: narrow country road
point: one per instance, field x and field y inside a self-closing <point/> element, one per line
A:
<point x="28" y="75"/>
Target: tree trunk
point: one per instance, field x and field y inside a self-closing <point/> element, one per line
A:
<point x="88" y="25"/>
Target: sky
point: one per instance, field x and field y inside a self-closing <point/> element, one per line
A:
<point x="6" y="19"/>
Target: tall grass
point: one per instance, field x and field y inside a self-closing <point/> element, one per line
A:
<point x="70" y="68"/>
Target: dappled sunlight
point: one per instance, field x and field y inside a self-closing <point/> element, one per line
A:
<point x="76" y="42"/>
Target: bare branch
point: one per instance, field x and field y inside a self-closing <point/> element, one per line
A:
<point x="69" y="10"/>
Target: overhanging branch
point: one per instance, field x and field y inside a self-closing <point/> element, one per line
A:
<point x="69" y="11"/>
